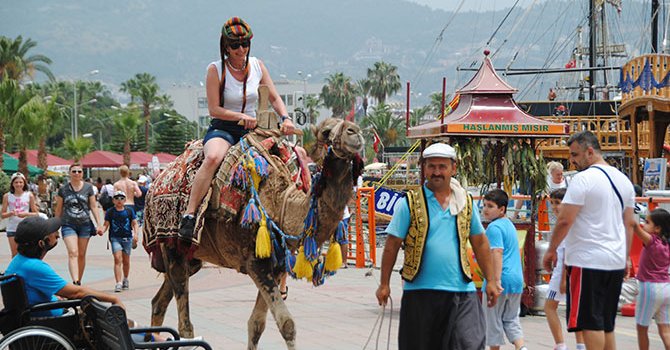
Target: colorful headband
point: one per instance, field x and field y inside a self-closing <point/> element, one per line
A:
<point x="238" y="29"/>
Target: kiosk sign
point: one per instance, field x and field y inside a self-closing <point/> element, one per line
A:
<point x="504" y="128"/>
<point x="386" y="199"/>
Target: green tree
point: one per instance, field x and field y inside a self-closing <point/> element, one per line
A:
<point x="308" y="138"/>
<point x="52" y="115"/>
<point x="14" y="103"/>
<point x="77" y="148"/>
<point x="364" y="87"/>
<point x="28" y="128"/>
<point x="17" y="64"/>
<point x="389" y="126"/>
<point x="171" y="133"/>
<point x="436" y="103"/>
<point x="384" y="80"/>
<point x="143" y="88"/>
<point x="339" y="94"/>
<point x="417" y="114"/>
<point x="312" y="104"/>
<point x="126" y="124"/>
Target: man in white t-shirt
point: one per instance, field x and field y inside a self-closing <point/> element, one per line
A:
<point x="596" y="221"/>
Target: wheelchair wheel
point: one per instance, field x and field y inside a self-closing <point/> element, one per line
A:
<point x="35" y="337"/>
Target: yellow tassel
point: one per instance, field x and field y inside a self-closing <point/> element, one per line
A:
<point x="302" y="268"/>
<point x="333" y="257"/>
<point x="263" y="245"/>
<point x="251" y="167"/>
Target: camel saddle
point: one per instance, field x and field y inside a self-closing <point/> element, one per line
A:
<point x="169" y="193"/>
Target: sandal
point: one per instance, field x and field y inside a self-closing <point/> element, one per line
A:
<point x="284" y="294"/>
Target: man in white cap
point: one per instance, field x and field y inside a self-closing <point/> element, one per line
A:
<point x="440" y="308"/>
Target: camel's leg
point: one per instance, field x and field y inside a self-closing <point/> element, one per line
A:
<point x="256" y="323"/>
<point x="177" y="276"/>
<point x="261" y="273"/>
<point x="160" y="302"/>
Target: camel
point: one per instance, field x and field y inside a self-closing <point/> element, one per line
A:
<point x="225" y="243"/>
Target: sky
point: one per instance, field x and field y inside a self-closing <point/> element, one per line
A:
<point x="471" y="5"/>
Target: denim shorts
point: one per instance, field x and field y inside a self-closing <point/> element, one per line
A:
<point x="82" y="231"/>
<point x="11" y="233"/>
<point x="121" y="243"/>
<point x="232" y="136"/>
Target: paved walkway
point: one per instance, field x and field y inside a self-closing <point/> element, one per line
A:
<point x="337" y="315"/>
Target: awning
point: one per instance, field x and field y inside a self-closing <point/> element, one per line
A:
<point x="10" y="165"/>
<point x="101" y="159"/>
<point x="54" y="163"/>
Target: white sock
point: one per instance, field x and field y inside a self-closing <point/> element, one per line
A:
<point x="580" y="346"/>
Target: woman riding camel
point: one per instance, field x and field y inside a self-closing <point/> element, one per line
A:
<point x="232" y="94"/>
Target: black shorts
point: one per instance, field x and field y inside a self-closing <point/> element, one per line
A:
<point x="593" y="297"/>
<point x="231" y="134"/>
<point x="434" y="320"/>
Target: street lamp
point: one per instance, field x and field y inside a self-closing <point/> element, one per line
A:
<point x="73" y="109"/>
<point x="102" y="127"/>
<point x="304" y="86"/>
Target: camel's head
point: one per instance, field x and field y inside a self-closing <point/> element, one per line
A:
<point x="344" y="136"/>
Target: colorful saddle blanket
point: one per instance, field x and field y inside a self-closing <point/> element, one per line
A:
<point x="169" y="193"/>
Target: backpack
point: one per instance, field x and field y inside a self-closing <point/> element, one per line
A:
<point x="105" y="200"/>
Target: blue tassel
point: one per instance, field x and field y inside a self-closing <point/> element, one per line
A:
<point x="318" y="277"/>
<point x="251" y="214"/>
<point x="311" y="249"/>
<point x="261" y="166"/>
<point x="239" y="177"/>
<point x="290" y="263"/>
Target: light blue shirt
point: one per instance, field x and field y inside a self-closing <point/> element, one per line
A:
<point x="502" y="235"/>
<point x="441" y="262"/>
<point x="41" y="281"/>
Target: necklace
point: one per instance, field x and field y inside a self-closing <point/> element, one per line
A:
<point x="233" y="67"/>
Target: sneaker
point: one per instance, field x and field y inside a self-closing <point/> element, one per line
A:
<point x="125" y="285"/>
<point x="118" y="288"/>
<point x="187" y="227"/>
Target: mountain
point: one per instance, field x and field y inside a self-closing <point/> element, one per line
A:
<point x="175" y="40"/>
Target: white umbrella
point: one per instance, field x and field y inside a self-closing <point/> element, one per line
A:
<point x="375" y="166"/>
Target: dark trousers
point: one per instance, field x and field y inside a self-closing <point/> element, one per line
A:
<point x="432" y="319"/>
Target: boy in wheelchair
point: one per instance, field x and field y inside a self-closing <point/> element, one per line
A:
<point x="35" y="236"/>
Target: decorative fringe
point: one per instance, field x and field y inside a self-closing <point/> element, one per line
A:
<point x="290" y="263"/>
<point x="318" y="277"/>
<point x="251" y="214"/>
<point x="262" y="168"/>
<point x="239" y="177"/>
<point x="311" y="249"/>
<point x="263" y="244"/>
<point x="333" y="257"/>
<point x="302" y="268"/>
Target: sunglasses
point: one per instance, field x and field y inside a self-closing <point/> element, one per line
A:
<point x="236" y="44"/>
<point x="119" y="197"/>
<point x="76" y="171"/>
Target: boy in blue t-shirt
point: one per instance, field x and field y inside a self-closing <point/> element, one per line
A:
<point x="123" y="228"/>
<point x="503" y="318"/>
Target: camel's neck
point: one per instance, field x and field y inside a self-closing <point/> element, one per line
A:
<point x="336" y="193"/>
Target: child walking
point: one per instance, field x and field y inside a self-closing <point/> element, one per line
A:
<point x="123" y="228"/>
<point x="503" y="318"/>
<point x="653" y="299"/>
<point x="556" y="292"/>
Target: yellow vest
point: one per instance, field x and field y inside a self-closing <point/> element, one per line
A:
<point x="418" y="232"/>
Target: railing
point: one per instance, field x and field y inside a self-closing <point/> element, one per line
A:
<point x="656" y="66"/>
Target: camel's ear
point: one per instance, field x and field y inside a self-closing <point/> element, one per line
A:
<point x="314" y="130"/>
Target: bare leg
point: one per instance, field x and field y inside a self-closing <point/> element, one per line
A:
<point x="12" y="246"/>
<point x="72" y="256"/>
<point x="118" y="261"/>
<point x="664" y="332"/>
<point x="579" y="336"/>
<point x="610" y="341"/>
<point x="594" y="339"/>
<point x="82" y="245"/>
<point x="215" y="149"/>
<point x="126" y="265"/>
<point x="256" y="322"/>
<point x="554" y="322"/>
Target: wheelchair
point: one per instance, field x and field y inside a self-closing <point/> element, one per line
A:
<point x="88" y="324"/>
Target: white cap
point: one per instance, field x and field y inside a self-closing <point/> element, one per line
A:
<point x="142" y="179"/>
<point x="119" y="194"/>
<point x="439" y="150"/>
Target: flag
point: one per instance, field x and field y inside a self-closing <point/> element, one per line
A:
<point x="352" y="112"/>
<point x="377" y="141"/>
<point x="571" y="64"/>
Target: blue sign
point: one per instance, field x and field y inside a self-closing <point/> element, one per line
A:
<point x="386" y="199"/>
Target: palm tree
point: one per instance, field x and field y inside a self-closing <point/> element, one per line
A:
<point x="14" y="103"/>
<point x="52" y="115"/>
<point x="364" y="86"/>
<point x="308" y="138"/>
<point x="16" y="64"/>
<point x="390" y="127"/>
<point x="27" y="128"/>
<point x="312" y="103"/>
<point x="78" y="147"/>
<point x="143" y="87"/>
<point x="384" y="80"/>
<point x="417" y="114"/>
<point x="126" y="124"/>
<point x="436" y="103"/>
<point x="339" y="94"/>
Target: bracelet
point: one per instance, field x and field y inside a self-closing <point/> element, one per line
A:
<point x="284" y="117"/>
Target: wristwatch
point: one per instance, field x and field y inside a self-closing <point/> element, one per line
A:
<point x="284" y="117"/>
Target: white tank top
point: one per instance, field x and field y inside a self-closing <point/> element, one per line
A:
<point x="21" y="204"/>
<point x="232" y="92"/>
